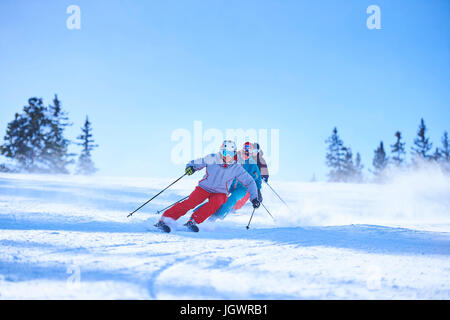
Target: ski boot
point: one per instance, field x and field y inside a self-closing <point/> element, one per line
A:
<point x="191" y="225"/>
<point x="162" y="226"/>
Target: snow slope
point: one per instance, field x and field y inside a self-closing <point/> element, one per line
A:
<point x="65" y="237"/>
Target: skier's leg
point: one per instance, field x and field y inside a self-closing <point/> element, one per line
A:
<point x="219" y="214"/>
<point x="234" y="197"/>
<point x="238" y="195"/>
<point x="197" y="208"/>
<point x="241" y="202"/>
<point x="195" y="198"/>
<point x="206" y="210"/>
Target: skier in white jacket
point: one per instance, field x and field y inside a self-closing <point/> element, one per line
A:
<point x="221" y="170"/>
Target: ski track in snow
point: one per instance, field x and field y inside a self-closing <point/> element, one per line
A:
<point x="65" y="237"/>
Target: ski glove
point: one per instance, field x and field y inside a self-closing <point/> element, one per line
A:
<point x="265" y="178"/>
<point x="190" y="170"/>
<point x="256" y="203"/>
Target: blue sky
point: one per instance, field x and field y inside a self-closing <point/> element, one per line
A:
<point x="142" y="69"/>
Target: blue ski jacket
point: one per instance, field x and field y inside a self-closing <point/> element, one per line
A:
<point x="252" y="168"/>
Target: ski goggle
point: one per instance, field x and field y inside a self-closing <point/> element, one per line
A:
<point x="250" y="150"/>
<point x="228" y="153"/>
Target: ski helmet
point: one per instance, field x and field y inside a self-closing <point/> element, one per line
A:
<point x="228" y="148"/>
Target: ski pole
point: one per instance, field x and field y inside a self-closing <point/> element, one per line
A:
<point x="159" y="211"/>
<point x="156" y="195"/>
<point x="277" y="194"/>
<point x="267" y="211"/>
<point x="248" y="226"/>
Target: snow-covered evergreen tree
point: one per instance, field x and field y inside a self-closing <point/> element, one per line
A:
<point x="35" y="140"/>
<point x="25" y="137"/>
<point x="85" y="165"/>
<point x="422" y="144"/>
<point x="348" y="164"/>
<point x="398" y="150"/>
<point x="335" y="157"/>
<point x="56" y="153"/>
<point x="352" y="168"/>
<point x="380" y="160"/>
<point x="444" y="152"/>
<point x="358" y="175"/>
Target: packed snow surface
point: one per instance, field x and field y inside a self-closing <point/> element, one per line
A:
<point x="68" y="237"/>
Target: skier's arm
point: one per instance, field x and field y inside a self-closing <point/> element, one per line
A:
<point x="248" y="181"/>
<point x="200" y="163"/>
<point x="262" y="164"/>
<point x="256" y="175"/>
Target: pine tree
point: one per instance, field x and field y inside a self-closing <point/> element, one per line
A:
<point x="349" y="166"/>
<point x="358" y="169"/>
<point x="56" y="153"/>
<point x="436" y="155"/>
<point x="34" y="139"/>
<point x="25" y="137"/>
<point x="445" y="151"/>
<point x="15" y="146"/>
<point x="398" y="150"/>
<point x="352" y="169"/>
<point x="85" y="165"/>
<point x="380" y="160"/>
<point x="422" y="145"/>
<point x="335" y="157"/>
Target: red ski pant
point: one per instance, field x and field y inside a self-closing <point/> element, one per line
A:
<point x="195" y="198"/>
